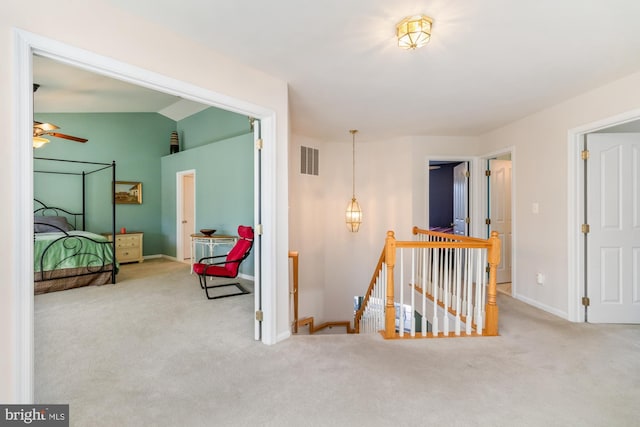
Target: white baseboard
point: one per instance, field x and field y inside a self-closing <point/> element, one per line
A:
<point x="283" y="336"/>
<point x="245" y="276"/>
<point x="543" y="307"/>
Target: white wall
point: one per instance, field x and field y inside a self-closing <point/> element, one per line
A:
<point x="102" y="29"/>
<point x="540" y="175"/>
<point x="306" y="216"/>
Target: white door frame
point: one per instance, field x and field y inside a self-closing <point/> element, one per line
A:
<point x="575" y="208"/>
<point x="180" y="255"/>
<point x="483" y="203"/>
<point x="25" y="45"/>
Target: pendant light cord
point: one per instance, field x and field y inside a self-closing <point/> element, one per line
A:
<point x="353" y="158"/>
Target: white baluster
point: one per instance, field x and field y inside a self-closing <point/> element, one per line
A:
<point x="446" y="292"/>
<point x="401" y="313"/>
<point x="478" y="297"/>
<point x="458" y="270"/>
<point x="436" y="276"/>
<point x="469" y="314"/>
<point x="413" y="292"/>
<point x="423" y="327"/>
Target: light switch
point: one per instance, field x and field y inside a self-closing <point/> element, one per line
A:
<point x="535" y="207"/>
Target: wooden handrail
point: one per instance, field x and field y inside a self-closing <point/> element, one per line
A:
<point x="294" y="256"/>
<point x="417" y="230"/>
<point x="313" y="329"/>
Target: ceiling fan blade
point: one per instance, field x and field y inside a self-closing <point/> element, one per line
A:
<point x="69" y="137"/>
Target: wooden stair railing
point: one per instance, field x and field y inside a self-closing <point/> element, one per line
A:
<point x="382" y="285"/>
<point x="443" y="242"/>
<point x="308" y="321"/>
<point x="293" y="255"/>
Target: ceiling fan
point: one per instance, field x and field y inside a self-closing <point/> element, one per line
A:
<point x="42" y="129"/>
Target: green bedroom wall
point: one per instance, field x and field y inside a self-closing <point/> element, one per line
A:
<point x="224" y="189"/>
<point x="139" y="143"/>
<point x="210" y="125"/>
<point x="136" y="141"/>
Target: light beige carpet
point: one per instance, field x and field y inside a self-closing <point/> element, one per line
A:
<point x="504" y="288"/>
<point x="152" y="351"/>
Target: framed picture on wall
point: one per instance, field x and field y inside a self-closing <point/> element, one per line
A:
<point x="128" y="192"/>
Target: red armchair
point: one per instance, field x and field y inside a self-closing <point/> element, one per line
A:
<point x="208" y="267"/>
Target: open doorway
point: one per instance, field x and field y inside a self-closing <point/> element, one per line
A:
<point x="27" y="45"/>
<point x="499" y="214"/>
<point x="449" y="196"/>
<point x="185" y="214"/>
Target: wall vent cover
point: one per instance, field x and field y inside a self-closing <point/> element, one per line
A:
<point x="309" y="159"/>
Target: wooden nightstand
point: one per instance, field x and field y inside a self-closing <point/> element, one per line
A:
<point x="128" y="246"/>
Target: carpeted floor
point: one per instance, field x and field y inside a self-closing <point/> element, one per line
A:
<point x="152" y="351"/>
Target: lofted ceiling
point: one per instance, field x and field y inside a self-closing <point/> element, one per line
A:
<point x="488" y="62"/>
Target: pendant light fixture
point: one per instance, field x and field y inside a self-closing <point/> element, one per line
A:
<point x="354" y="213"/>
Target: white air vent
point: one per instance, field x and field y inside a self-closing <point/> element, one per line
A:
<point x="309" y="158"/>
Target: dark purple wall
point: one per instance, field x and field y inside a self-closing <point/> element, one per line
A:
<point x="441" y="196"/>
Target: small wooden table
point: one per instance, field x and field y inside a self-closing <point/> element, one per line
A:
<point x="209" y="242"/>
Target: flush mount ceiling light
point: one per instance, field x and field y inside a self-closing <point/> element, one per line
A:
<point x="354" y="213"/>
<point x="414" y="31"/>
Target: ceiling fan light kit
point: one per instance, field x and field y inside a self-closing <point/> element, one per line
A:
<point x="42" y="129"/>
<point x="39" y="141"/>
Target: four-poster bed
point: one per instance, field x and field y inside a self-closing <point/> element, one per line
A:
<point x="65" y="254"/>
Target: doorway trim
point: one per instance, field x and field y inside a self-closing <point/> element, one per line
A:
<point x="27" y="44"/>
<point x="575" y="208"/>
<point x="483" y="203"/>
<point x="180" y="255"/>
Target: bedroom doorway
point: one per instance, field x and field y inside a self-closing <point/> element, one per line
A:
<point x="28" y="44"/>
<point x="185" y="213"/>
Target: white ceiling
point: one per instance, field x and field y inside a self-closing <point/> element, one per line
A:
<point x="488" y="63"/>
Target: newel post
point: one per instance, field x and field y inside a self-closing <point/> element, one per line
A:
<point x="390" y="311"/>
<point x="492" y="307"/>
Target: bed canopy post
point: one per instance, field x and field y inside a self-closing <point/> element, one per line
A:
<point x="84" y="224"/>
<point x="113" y="213"/>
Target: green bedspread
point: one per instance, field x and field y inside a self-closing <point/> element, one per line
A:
<point x="53" y="251"/>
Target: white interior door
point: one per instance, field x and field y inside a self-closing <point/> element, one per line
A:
<point x="461" y="199"/>
<point x="257" y="241"/>
<point x="188" y="213"/>
<point x="500" y="213"/>
<point x="613" y="214"/>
